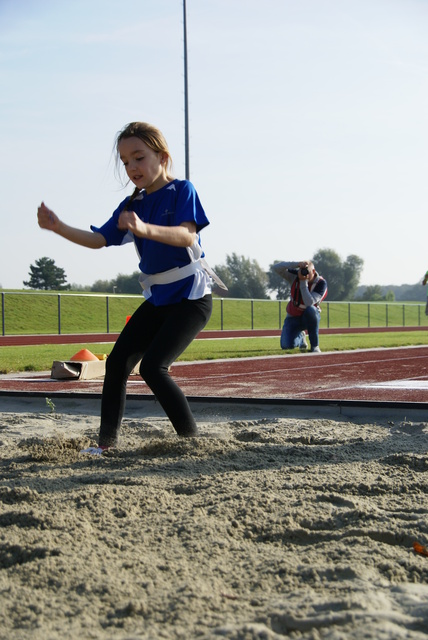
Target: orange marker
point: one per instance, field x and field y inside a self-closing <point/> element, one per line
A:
<point x="419" y="548"/>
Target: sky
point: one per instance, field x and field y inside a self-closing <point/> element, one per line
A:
<point x="308" y="126"/>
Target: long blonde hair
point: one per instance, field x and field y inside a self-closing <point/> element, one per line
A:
<point x="152" y="137"/>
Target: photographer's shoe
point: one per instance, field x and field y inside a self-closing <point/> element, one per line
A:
<point x="316" y="350"/>
<point x="304" y="344"/>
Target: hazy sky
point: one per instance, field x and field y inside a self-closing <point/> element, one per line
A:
<point x="308" y="126"/>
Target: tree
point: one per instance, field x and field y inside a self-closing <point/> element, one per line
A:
<point x="278" y="284"/>
<point x="352" y="269"/>
<point x="342" y="277"/>
<point x="46" y="275"/>
<point x="329" y="265"/>
<point x="80" y="287"/>
<point x="398" y="293"/>
<point x="376" y="293"/>
<point x="243" y="277"/>
<point x="373" y="293"/>
<point x="121" y="284"/>
<point x="128" y="284"/>
<point x="103" y="286"/>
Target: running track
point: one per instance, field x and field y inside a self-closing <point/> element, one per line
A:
<point x="377" y="375"/>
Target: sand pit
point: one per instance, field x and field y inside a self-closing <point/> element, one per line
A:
<point x="266" y="527"/>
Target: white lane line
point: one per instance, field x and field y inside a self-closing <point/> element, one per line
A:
<point x="410" y="385"/>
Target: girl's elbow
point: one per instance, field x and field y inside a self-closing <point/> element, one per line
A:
<point x="98" y="241"/>
<point x="190" y="239"/>
<point x="188" y="234"/>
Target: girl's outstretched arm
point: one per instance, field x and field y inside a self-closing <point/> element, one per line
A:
<point x="49" y="220"/>
<point x="183" y="235"/>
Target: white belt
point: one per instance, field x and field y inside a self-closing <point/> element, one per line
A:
<point x="212" y="274"/>
<point x="178" y="273"/>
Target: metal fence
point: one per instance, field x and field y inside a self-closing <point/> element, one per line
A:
<point x="28" y="313"/>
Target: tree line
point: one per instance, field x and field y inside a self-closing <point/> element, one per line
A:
<point x="244" y="278"/>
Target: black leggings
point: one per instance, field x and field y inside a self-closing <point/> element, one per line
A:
<point x="156" y="336"/>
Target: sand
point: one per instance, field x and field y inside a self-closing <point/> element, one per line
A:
<point x="268" y="526"/>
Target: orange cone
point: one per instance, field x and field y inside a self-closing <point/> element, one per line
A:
<point x="84" y="355"/>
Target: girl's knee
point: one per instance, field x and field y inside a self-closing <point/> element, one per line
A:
<point x="150" y="370"/>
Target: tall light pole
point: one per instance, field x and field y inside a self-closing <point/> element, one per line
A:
<point x="186" y="97"/>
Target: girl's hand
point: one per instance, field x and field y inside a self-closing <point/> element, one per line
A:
<point x="183" y="235"/>
<point x="128" y="220"/>
<point x="47" y="219"/>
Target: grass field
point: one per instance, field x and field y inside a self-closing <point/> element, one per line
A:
<point x="40" y="357"/>
<point x="46" y="313"/>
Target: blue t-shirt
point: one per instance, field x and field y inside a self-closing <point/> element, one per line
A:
<point x="173" y="204"/>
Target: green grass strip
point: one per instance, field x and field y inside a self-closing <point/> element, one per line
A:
<point x="41" y="357"/>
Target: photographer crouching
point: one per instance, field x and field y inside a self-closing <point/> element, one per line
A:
<point x="308" y="290"/>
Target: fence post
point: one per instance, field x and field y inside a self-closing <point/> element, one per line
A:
<point x="2" y="313"/>
<point x="107" y="312"/>
<point x="386" y="314"/>
<point x="59" y="314"/>
<point x="404" y="316"/>
<point x="252" y="314"/>
<point x="368" y="315"/>
<point x="328" y="315"/>
<point x="349" y="315"/>
<point x="279" y="318"/>
<point x="419" y="315"/>
<point x="221" y="314"/>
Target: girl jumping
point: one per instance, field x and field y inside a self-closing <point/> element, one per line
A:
<point x="163" y="217"/>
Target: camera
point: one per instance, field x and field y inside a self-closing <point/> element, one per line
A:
<point x="304" y="271"/>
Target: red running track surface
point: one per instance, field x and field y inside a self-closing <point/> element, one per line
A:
<point x="381" y="375"/>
